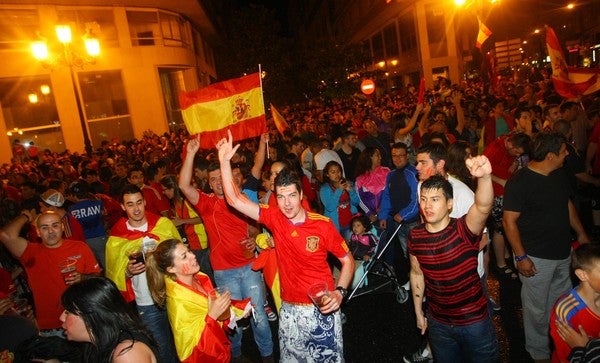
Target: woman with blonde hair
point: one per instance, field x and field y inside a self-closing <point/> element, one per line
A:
<point x="175" y="281"/>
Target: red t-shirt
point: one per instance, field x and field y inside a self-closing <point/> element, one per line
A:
<point x="225" y="228"/>
<point x="302" y="251"/>
<point x="501" y="161"/>
<point x="45" y="279"/>
<point x="155" y="203"/>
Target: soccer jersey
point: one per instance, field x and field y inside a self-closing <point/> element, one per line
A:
<point x="302" y="251"/>
<point x="225" y="228"/>
<point x="572" y="309"/>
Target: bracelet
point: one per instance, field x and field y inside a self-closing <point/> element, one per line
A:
<point x="521" y="258"/>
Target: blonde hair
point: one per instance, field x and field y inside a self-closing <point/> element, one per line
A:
<point x="157" y="263"/>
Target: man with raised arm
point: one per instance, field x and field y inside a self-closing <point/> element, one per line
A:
<point x="302" y="241"/>
<point x="443" y="257"/>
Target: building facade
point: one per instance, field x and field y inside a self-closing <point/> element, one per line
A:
<point x="149" y="52"/>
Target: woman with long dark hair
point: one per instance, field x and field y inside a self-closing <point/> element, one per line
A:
<point x="339" y="198"/>
<point x="185" y="218"/>
<point x="370" y="181"/>
<point x="96" y="314"/>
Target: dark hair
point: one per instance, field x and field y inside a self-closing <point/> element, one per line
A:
<point x="133" y="169"/>
<point x="157" y="263"/>
<point x="200" y="163"/>
<point x="430" y="136"/>
<point x="364" y="220"/>
<point x="287" y="177"/>
<point x="520" y="140"/>
<point x="106" y="315"/>
<point x="455" y="165"/>
<point x="567" y="106"/>
<point x="586" y="257"/>
<point x="328" y="166"/>
<point x="520" y="110"/>
<point x="293" y="162"/>
<point x="544" y="143"/>
<point x="438" y="182"/>
<point x="129" y="189"/>
<point x="170" y="182"/>
<point x="435" y="150"/>
<point x="364" y="162"/>
<point x="400" y="145"/>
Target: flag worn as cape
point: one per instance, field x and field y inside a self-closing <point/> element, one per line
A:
<point x="236" y="104"/>
<point x="569" y="82"/>
<point x="267" y="262"/>
<point x="122" y="240"/>
<point x="279" y="120"/>
<point x="483" y="34"/>
<point x="198" y="337"/>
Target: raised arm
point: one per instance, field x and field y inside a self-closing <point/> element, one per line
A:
<point x="259" y="158"/>
<point x="413" y="120"/>
<point x="187" y="169"/>
<point x="480" y="167"/>
<point x="233" y="195"/>
<point x="9" y="235"/>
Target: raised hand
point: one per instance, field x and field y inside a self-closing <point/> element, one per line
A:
<point x="479" y="166"/>
<point x="226" y="148"/>
<point x="193" y="146"/>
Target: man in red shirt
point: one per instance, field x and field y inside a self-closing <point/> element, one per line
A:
<point x="41" y="262"/>
<point x="155" y="203"/>
<point x="302" y="241"/>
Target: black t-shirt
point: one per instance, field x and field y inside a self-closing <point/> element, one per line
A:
<point x="543" y="203"/>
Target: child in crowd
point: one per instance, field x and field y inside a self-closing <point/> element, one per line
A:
<point x="362" y="245"/>
<point x="580" y="308"/>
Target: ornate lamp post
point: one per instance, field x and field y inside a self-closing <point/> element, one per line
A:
<point x="68" y="57"/>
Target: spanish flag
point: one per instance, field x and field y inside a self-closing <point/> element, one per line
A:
<point x="236" y="104"/>
<point x="483" y="34"/>
<point x="279" y="120"/>
<point x="569" y="82"/>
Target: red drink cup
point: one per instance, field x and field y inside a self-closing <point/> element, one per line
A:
<point x="67" y="267"/>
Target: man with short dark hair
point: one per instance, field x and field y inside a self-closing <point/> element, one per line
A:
<point x="349" y="154"/>
<point x="443" y="255"/>
<point x="538" y="215"/>
<point x="141" y="231"/>
<point x="302" y="241"/>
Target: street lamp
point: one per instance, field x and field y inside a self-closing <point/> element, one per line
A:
<point x="72" y="60"/>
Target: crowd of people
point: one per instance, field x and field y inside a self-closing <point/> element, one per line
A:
<point x="155" y="250"/>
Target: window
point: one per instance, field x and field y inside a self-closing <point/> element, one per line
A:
<point x="30" y="113"/>
<point x="99" y="23"/>
<point x="408" y="35"/>
<point x="436" y="31"/>
<point x="157" y="28"/>
<point x="18" y="28"/>
<point x="172" y="83"/>
<point x="391" y="41"/>
<point x="105" y="106"/>
<point x="377" y="44"/>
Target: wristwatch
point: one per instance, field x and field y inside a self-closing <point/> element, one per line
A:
<point x="342" y="291"/>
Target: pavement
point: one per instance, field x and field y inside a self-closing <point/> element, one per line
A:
<point x="379" y="329"/>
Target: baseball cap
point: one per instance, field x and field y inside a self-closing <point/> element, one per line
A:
<point x="53" y="197"/>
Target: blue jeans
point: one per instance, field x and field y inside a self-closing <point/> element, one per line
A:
<point x="244" y="283"/>
<point x="475" y="343"/>
<point x="157" y="322"/>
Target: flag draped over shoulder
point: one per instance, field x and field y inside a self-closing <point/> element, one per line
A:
<point x="569" y="82"/>
<point x="483" y="34"/>
<point x="280" y="122"/>
<point x="236" y="104"/>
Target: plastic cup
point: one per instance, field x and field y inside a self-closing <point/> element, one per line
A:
<point x="214" y="294"/>
<point x="67" y="267"/>
<point x="319" y="294"/>
<point x="136" y="255"/>
<point x="248" y="247"/>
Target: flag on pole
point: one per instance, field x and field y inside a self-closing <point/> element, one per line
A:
<point x="280" y="121"/>
<point x="421" y="96"/>
<point x="235" y="104"/>
<point x="569" y="82"/>
<point x="483" y="34"/>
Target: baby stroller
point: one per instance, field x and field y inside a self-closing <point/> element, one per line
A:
<point x="377" y="275"/>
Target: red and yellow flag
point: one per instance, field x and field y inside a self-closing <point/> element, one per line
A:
<point x="569" y="82"/>
<point x="279" y="120"/>
<point x="483" y="34"/>
<point x="236" y="104"/>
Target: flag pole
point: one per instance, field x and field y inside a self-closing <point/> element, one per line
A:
<point x="262" y="95"/>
